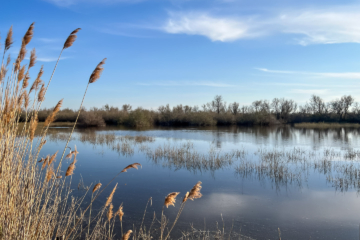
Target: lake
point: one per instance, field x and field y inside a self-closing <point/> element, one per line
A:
<point x="257" y="179"/>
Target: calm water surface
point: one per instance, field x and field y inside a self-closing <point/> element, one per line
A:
<point x="303" y="181"/>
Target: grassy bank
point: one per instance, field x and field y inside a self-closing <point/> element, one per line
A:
<point x="326" y="125"/>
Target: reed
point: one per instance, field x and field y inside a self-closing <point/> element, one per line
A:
<point x="35" y="201"/>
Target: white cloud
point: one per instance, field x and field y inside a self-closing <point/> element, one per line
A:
<point x="217" y="29"/>
<point x="323" y="25"/>
<point x="344" y="75"/>
<point x="187" y="83"/>
<point x="314" y="26"/>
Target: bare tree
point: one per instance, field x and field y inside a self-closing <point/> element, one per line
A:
<point x="341" y="106"/>
<point x="356" y="108"/>
<point x="164" y="109"/>
<point x="204" y="107"/>
<point x="317" y="105"/>
<point x="218" y="104"/>
<point x="347" y="102"/>
<point x="256" y="105"/>
<point x="286" y="108"/>
<point x="106" y="107"/>
<point x="178" y="109"/>
<point x="126" y="107"/>
<point x="187" y="109"/>
<point x="245" y="109"/>
<point x="234" y="108"/>
<point x="265" y="106"/>
<point x="275" y="105"/>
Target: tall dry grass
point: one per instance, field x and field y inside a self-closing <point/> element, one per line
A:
<point x="36" y="200"/>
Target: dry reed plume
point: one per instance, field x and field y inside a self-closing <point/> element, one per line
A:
<point x="52" y="158"/>
<point x="127" y="235"/>
<point x="71" y="39"/>
<point x="134" y="165"/>
<point x="96" y="187"/>
<point x="120" y="213"/>
<point x="9" y="40"/>
<point x="195" y="192"/>
<point x="97" y="72"/>
<point x="35" y="201"/>
<point x="70" y="169"/>
<point x="110" y="212"/>
<point x="170" y="199"/>
<point x="109" y="199"/>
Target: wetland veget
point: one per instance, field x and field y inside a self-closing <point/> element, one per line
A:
<point x="170" y="199"/>
<point x="35" y="201"/>
<point x="96" y="187"/>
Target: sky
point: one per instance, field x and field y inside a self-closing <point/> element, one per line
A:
<point x="187" y="51"/>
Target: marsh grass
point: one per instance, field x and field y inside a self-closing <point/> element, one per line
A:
<point x="280" y="167"/>
<point x="36" y="199"/>
<point x="292" y="167"/>
<point x="326" y="125"/>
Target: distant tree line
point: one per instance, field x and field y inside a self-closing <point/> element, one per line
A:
<point x="218" y="112"/>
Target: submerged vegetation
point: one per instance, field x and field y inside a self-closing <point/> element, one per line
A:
<point x="218" y="112"/>
<point x="281" y="167"/>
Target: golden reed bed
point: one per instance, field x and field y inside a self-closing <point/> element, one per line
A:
<point x="35" y="200"/>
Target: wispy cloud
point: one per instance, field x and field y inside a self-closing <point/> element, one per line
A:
<point x="67" y="3"/>
<point x="187" y="83"/>
<point x="309" y="26"/>
<point x="47" y="59"/>
<point x="48" y="40"/>
<point x="215" y="28"/>
<point x="344" y="75"/>
<point x="310" y="91"/>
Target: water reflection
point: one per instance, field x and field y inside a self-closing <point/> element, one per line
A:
<point x="236" y="166"/>
<point x="279" y="167"/>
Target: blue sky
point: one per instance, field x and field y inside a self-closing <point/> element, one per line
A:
<point x="187" y="51"/>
